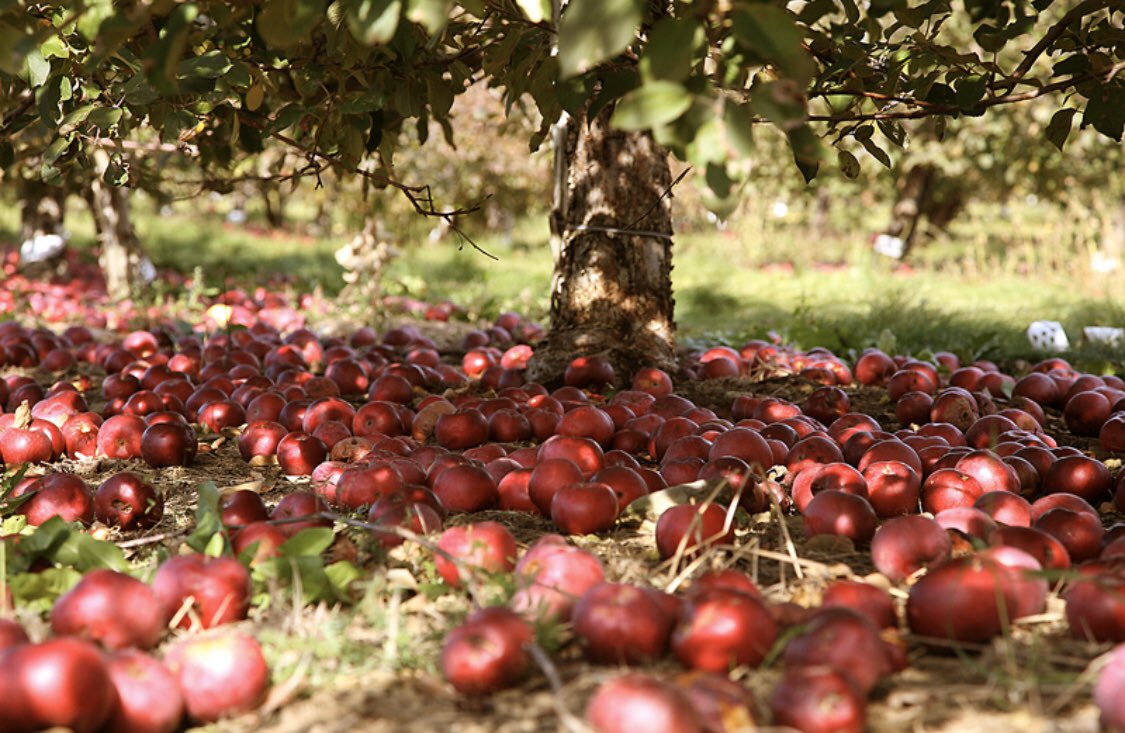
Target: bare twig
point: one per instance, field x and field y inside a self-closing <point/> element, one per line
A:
<point x="569" y="720"/>
<point x="150" y="540"/>
<point x="662" y="196"/>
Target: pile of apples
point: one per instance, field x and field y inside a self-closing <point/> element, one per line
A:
<point x="964" y="506"/>
<point x="98" y="671"/>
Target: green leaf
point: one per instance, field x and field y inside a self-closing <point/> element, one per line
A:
<point x="37" y="592"/>
<point x="90" y="21"/>
<point x="615" y="84"/>
<point x="1105" y="111"/>
<point x="878" y="153"/>
<point x="7" y="154"/>
<point x="970" y="90"/>
<point x="771" y="34"/>
<point x="990" y="38"/>
<point x="373" y="22"/>
<point x="45" y="539"/>
<point x="807" y="151"/>
<point x="430" y="14"/>
<point x="653" y="104"/>
<point x="210" y="65"/>
<point x="1058" y="130"/>
<point x="592" y="31"/>
<point x="1079" y="63"/>
<point x="440" y="95"/>
<point x="84" y="553"/>
<point x="284" y="23"/>
<point x="208" y="522"/>
<point x="56" y="149"/>
<point x="38" y="69"/>
<point x="310" y="542"/>
<point x="342" y="574"/>
<point x="50" y="96"/>
<point x="215" y="546"/>
<point x="849" y="166"/>
<point x="737" y="121"/>
<point x="781" y="102"/>
<point x="104" y="118"/>
<point x="671" y="46"/>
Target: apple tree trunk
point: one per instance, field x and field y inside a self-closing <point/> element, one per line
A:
<point x="912" y="200"/>
<point x="120" y="250"/>
<point x="611" y="223"/>
<point x="41" y="209"/>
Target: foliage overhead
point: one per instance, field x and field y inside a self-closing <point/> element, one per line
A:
<point x="338" y="83"/>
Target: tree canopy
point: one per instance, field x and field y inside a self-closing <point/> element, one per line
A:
<point x="186" y="91"/>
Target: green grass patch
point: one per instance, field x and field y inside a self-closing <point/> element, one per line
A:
<point x="966" y="294"/>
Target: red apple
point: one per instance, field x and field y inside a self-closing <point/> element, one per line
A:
<point x="111" y="608"/>
<point x="127" y="501"/>
<point x="193" y="587"/>
<point x="60" y="682"/>
<point x="149" y="699"/>
<point x="621" y="624"/>
<point x="720" y="629"/>
<point x="486" y="546"/>
<point x="692" y="528"/>
<point x="636" y="702"/>
<point x="488" y="652"/>
<point x="221" y="674"/>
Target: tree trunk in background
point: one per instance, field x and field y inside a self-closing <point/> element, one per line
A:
<point x="612" y="292"/>
<point x="41" y="209"/>
<point x="913" y="196"/>
<point x="274" y="217"/>
<point x="1112" y="244"/>
<point x="120" y="254"/>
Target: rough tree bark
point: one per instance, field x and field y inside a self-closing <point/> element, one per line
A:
<point x="912" y="199"/>
<point x="120" y="255"/>
<point x="612" y="239"/>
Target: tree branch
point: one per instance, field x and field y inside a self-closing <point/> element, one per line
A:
<point x="950" y="109"/>
<point x="1054" y="33"/>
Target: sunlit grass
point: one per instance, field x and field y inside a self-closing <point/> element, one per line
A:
<point x="964" y="293"/>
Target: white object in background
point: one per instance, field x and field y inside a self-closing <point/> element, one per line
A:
<point x="1103" y="263"/>
<point x="41" y="248"/>
<point x="1103" y="334"/>
<point x="780" y="209"/>
<point x="236" y="216"/>
<point x="889" y="246"/>
<point x="1048" y="336"/>
<point x="146" y="270"/>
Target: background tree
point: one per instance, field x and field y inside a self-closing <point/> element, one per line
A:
<point x="620" y="82"/>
